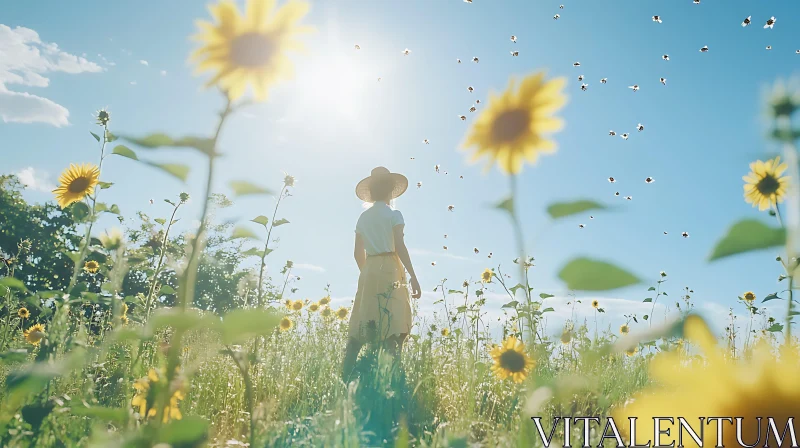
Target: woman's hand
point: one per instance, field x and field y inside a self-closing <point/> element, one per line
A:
<point x="416" y="291"/>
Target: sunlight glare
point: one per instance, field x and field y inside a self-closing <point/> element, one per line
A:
<point x="335" y="84"/>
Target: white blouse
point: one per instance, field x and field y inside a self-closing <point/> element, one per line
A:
<point x="375" y="225"/>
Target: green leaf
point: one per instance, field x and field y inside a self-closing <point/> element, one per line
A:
<point x="166" y="289"/>
<point x="13" y="283"/>
<point x="124" y="151"/>
<point x="244" y="188"/>
<point x="105" y="185"/>
<point x="179" y="320"/>
<point x="80" y="211"/>
<point x="773" y="296"/>
<point x="548" y="309"/>
<point x="252" y="252"/>
<point x="652" y="288"/>
<point x="14" y="355"/>
<point x="240" y="325"/>
<point x="261" y="219"/>
<point x="110" y="137"/>
<point x="648" y="300"/>
<point x="506" y="204"/>
<point x="96" y="137"/>
<point x="161" y="221"/>
<point x="586" y="274"/>
<point x="512" y="304"/>
<point x="243" y="232"/>
<point x="158" y="140"/>
<point x="545" y="296"/>
<point x="747" y="235"/>
<point x="118" y="415"/>
<point x="775" y="327"/>
<point x="35" y="414"/>
<point x="279" y="222"/>
<point x="514" y="288"/>
<point x="175" y="169"/>
<point x="454" y="291"/>
<point x="188" y="432"/>
<point x="645" y="317"/>
<point x="562" y="209"/>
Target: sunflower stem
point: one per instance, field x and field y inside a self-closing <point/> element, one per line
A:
<point x="266" y="246"/>
<point x="519" y="238"/>
<point x="792" y="222"/>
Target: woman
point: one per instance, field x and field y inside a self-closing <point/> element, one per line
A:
<point x="381" y="312"/>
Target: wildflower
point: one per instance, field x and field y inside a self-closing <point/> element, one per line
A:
<point x="749" y="296"/>
<point x="325" y="300"/>
<point x="341" y="313"/>
<point x="288" y="303"/>
<point x="250" y="48"/>
<point x="313" y="308"/>
<point x="511" y="127"/>
<point x="184" y="197"/>
<point x="112" y="240"/>
<point x="764" y="185"/>
<point x="297" y="305"/>
<point x="445" y="332"/>
<point x="75" y="183"/>
<point x="486" y="276"/>
<point x="566" y="337"/>
<point x="23" y="313"/>
<point x="145" y="398"/>
<point x="286" y="324"/>
<point x="326" y="311"/>
<point x="720" y="386"/>
<point x="34" y="334"/>
<point x="624" y="329"/>
<point x="595" y="303"/>
<point x="103" y="117"/>
<point x="510" y="360"/>
<point x="288" y="180"/>
<point x="91" y="266"/>
<point x="784" y="99"/>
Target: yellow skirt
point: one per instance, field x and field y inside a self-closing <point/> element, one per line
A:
<point x="382" y="308"/>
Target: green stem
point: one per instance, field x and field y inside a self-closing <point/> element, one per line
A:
<point x="520" y="241"/>
<point x="266" y="245"/>
<point x="160" y="264"/>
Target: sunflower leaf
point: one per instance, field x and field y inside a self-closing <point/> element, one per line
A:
<point x="237" y="326"/>
<point x="260" y="219"/>
<point x="253" y="252"/>
<point x="244" y="188"/>
<point x="243" y="232"/>
<point x="512" y="304"/>
<point x="562" y="209"/>
<point x="773" y="296"/>
<point x="506" y="204"/>
<point x="80" y="211"/>
<point x="158" y="140"/>
<point x="124" y="151"/>
<point x="279" y="222"/>
<point x="545" y="296"/>
<point x="747" y="235"/>
<point x="175" y="169"/>
<point x="96" y="137"/>
<point x="586" y="274"/>
<point x="775" y="328"/>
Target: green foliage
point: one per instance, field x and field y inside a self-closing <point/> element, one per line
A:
<point x="244" y="188"/>
<point x="747" y="235"/>
<point x="563" y="209"/>
<point x="585" y="274"/>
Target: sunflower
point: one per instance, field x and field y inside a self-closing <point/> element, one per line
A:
<point x="764" y="185"/>
<point x="91" y="266"/>
<point x="749" y="388"/>
<point x="103" y="117"/>
<point x="510" y="360"/>
<point x="112" y="239"/>
<point x="325" y="300"/>
<point x="624" y="329"/>
<point x="288" y="303"/>
<point x="34" y="334"/>
<point x="445" y="332"/>
<point x="486" y="276"/>
<point x="286" y="324"/>
<point x="250" y="48"/>
<point x="341" y="313"/>
<point x="749" y="296"/>
<point x="297" y="305"/>
<point x="23" y="313"/>
<point x="566" y="337"/>
<point x="595" y="303"/>
<point x="123" y="319"/>
<point x="326" y="311"/>
<point x="510" y="129"/>
<point x="124" y="309"/>
<point x="145" y="398"/>
<point x="313" y="308"/>
<point x="631" y="351"/>
<point x="75" y="183"/>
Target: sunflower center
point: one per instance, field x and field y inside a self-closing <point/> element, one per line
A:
<point x="79" y="185"/>
<point x="768" y="185"/>
<point x="510" y="125"/>
<point x="512" y="361"/>
<point x="252" y="50"/>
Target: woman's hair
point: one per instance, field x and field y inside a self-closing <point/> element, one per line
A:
<point x="381" y="189"/>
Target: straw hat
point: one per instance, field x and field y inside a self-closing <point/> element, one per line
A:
<point x="382" y="174"/>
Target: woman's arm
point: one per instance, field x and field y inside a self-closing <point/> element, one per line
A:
<point x="402" y="252"/>
<point x="359" y="253"/>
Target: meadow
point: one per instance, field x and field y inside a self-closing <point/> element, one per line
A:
<point x="147" y="336"/>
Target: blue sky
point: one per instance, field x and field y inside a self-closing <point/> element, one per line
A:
<point x="335" y="122"/>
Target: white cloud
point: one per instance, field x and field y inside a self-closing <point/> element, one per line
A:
<point x="25" y="60"/>
<point x="308" y="267"/>
<point x="143" y="62"/>
<point x="133" y="83"/>
<point x="163" y="73"/>
<point x="35" y="180"/>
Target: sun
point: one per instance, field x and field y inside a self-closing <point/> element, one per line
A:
<point x="336" y="86"/>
